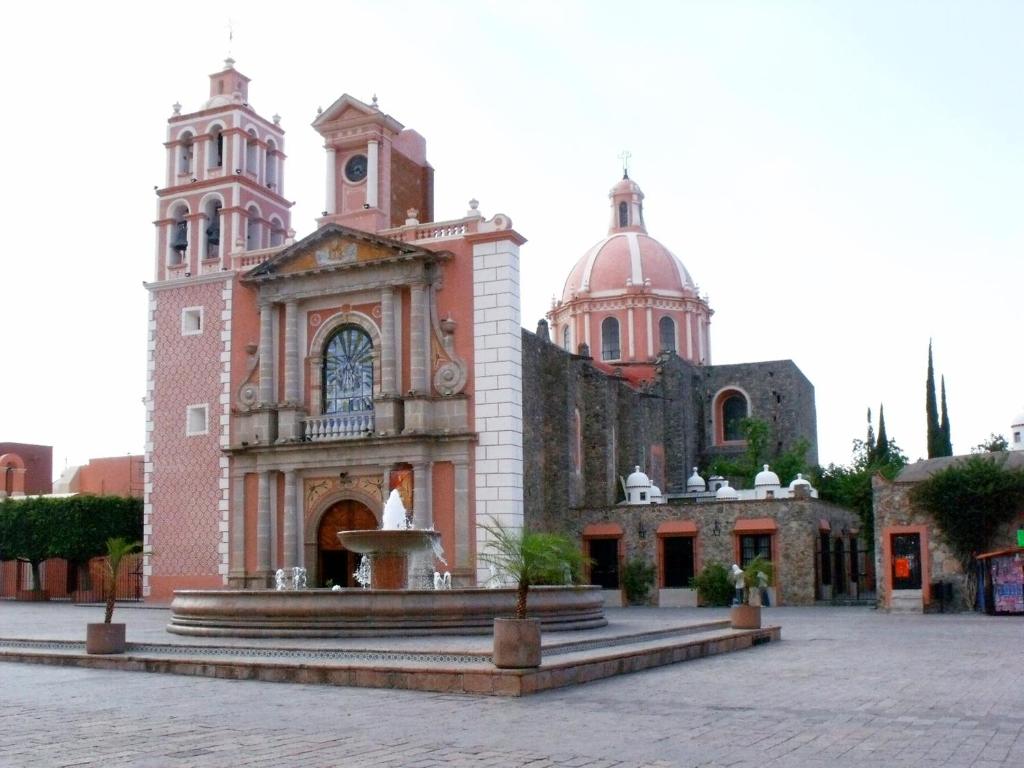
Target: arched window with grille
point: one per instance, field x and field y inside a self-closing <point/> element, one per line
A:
<point x="348" y="372"/>
<point x="610" y="349"/>
<point x="731" y="408"/>
<point x="566" y="339"/>
<point x="667" y="334"/>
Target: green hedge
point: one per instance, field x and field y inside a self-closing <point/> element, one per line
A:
<point x="75" y="527"/>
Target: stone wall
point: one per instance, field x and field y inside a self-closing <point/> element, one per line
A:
<point x="584" y="428"/>
<point x="797" y="520"/>
<point x="894" y="512"/>
<point x="780" y="395"/>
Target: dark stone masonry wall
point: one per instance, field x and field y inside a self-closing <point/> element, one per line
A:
<point x="665" y="428"/>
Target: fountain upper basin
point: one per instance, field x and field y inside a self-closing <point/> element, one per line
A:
<point x="375" y="540"/>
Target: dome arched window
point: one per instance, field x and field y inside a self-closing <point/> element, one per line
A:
<point x="623" y="214"/>
<point x="348" y="372"/>
<point x="667" y="334"/>
<point x="610" y="348"/>
<point x="566" y="339"/>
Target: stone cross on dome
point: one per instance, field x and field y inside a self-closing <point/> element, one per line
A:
<point x="624" y="156"/>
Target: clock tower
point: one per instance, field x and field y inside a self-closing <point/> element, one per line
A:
<point x="377" y="174"/>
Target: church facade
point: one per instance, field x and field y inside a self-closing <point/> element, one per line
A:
<point x="292" y="383"/>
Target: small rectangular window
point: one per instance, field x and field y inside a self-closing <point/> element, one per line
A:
<point x="191" y="321"/>
<point x="195" y="420"/>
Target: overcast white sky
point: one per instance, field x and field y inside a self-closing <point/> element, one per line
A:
<point x="844" y="180"/>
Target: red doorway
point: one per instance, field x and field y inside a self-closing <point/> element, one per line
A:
<point x="335" y="564"/>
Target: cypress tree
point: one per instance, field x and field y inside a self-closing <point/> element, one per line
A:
<point x="947" y="444"/>
<point x="882" y="446"/>
<point x="869" y="444"/>
<point x="935" y="444"/>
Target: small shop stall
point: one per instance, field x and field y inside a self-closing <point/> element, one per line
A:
<point x="1002" y="581"/>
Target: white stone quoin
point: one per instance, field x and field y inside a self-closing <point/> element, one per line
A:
<point x="497" y="371"/>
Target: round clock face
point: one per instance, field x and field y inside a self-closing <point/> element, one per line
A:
<point x="355" y="168"/>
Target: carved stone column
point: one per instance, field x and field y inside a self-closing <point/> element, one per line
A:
<point x="236" y="534"/>
<point x="263" y="526"/>
<point x="290" y="557"/>
<point x="422" y="497"/>
<point x="289" y="427"/>
<point x="388" y="384"/>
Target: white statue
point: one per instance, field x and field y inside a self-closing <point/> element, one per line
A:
<point x="447" y="582"/>
<point x="280" y="580"/>
<point x="739" y="582"/>
<point x="438" y="581"/>
<point x="298" y="578"/>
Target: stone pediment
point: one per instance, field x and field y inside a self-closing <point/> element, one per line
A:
<point x="349" y="109"/>
<point x="333" y="247"/>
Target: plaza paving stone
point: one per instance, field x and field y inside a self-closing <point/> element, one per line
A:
<point x="846" y="687"/>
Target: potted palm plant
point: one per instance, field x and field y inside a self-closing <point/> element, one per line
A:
<point x="108" y="637"/>
<point x="746" y="613"/>
<point x="526" y="558"/>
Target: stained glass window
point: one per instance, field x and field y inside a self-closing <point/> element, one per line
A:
<point x="348" y="372"/>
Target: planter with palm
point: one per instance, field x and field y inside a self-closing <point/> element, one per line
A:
<point x="526" y="559"/>
<point x="108" y="637"/>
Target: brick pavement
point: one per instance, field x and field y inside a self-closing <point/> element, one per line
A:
<point x="846" y="687"/>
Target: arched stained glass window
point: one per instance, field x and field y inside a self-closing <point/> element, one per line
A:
<point x="734" y="411"/>
<point x="348" y="372"/>
<point x="623" y="215"/>
<point x="667" y="334"/>
<point x="610" y="339"/>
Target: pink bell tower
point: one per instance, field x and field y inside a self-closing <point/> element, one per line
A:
<point x="220" y="212"/>
<point x="223" y="193"/>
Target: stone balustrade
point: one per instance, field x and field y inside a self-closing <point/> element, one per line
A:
<point x="338" y="426"/>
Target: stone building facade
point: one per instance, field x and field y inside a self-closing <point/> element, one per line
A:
<point x="680" y="538"/>
<point x="910" y="553"/>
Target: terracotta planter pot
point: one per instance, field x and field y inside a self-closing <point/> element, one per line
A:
<point x="516" y="643"/>
<point x="104" y="638"/>
<point x="745" y="616"/>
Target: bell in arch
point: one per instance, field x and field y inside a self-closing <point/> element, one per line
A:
<point x="180" y="239"/>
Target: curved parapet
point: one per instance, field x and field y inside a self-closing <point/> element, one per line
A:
<point x="375" y="612"/>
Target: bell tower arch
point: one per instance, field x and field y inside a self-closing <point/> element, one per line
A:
<point x="228" y="153"/>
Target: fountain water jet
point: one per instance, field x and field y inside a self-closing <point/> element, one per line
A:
<point x="392" y="546"/>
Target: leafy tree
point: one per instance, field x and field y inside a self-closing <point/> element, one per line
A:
<point x="713" y="585"/>
<point x="994" y="444"/>
<point x="969" y="502"/>
<point x="757" y="435"/>
<point x="850" y="485"/>
<point x="76" y="528"/>
<point x="24" y="535"/>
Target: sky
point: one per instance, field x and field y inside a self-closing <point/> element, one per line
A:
<point x="843" y="180"/>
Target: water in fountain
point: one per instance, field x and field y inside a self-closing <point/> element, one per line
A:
<point x="395" y="516"/>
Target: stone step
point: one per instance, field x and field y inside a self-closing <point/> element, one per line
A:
<point x="449" y="670"/>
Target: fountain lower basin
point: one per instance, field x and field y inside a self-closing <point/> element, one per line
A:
<point x="375" y="612"/>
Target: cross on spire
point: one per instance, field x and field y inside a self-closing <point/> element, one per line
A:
<point x="624" y="157"/>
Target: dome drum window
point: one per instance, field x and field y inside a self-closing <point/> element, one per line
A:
<point x="610" y="347"/>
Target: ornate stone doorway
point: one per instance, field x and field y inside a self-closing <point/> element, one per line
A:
<point x="335" y="564"/>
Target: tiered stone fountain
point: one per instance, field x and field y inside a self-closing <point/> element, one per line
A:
<point x="393" y="604"/>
